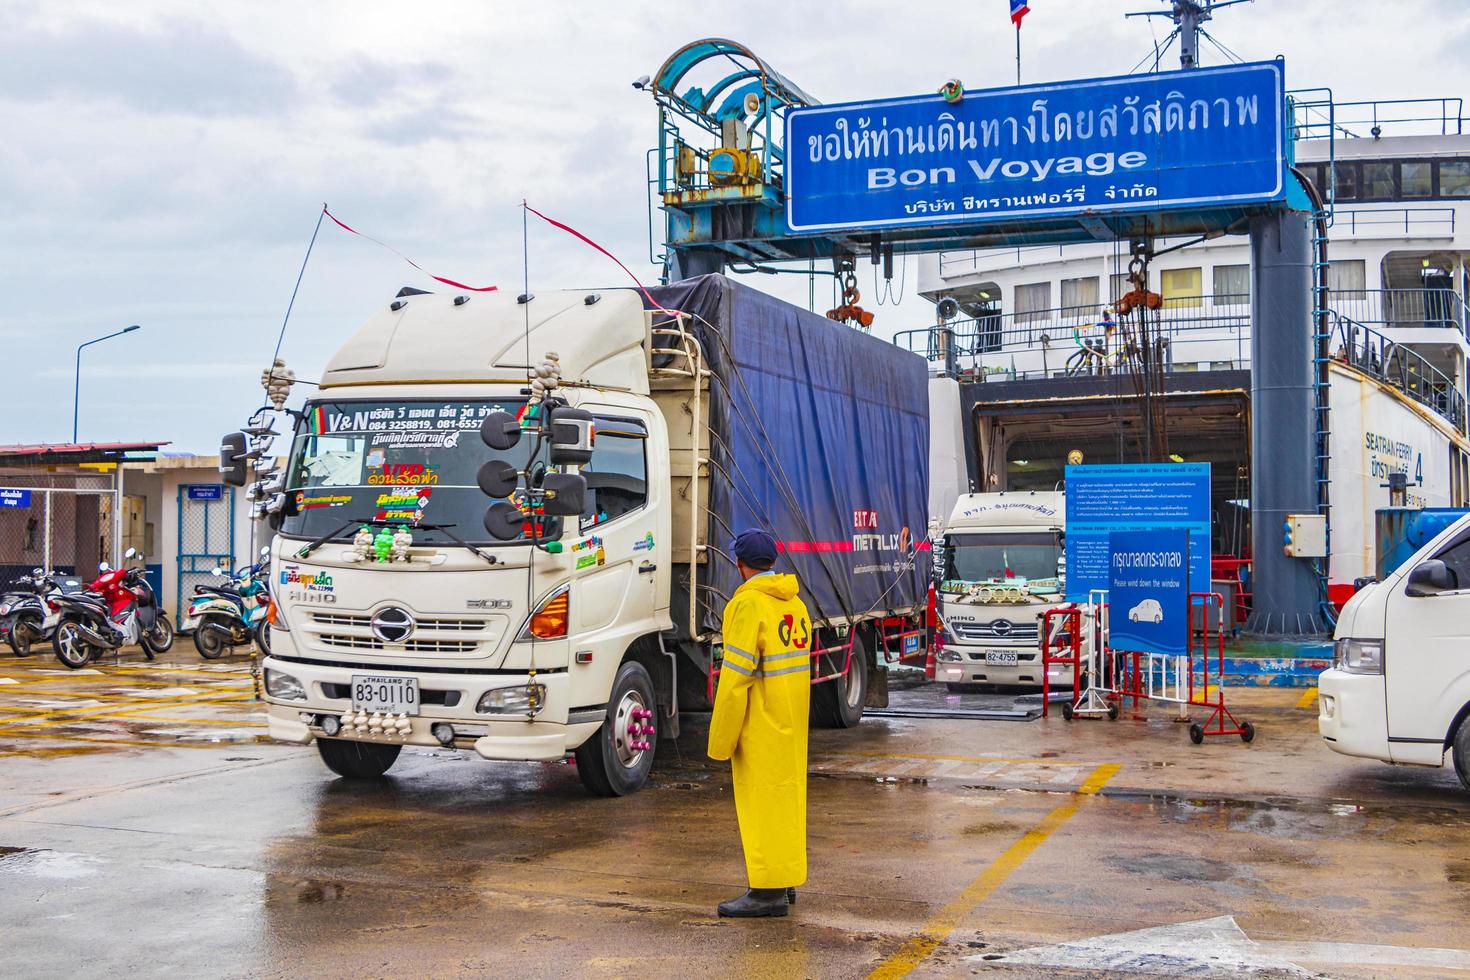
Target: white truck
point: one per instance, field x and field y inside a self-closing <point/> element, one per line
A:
<point x="456" y="565"/>
<point x="1399" y="688"/>
<point x="1000" y="566"/>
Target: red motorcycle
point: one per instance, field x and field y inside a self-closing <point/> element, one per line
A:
<point x="118" y="609"/>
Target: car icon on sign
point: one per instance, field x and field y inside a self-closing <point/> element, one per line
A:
<point x="1147" y="611"/>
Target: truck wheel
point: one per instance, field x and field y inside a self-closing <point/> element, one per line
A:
<point x="611" y="762"/>
<point x="357" y="760"/>
<point x="1462" y="752"/>
<point x="838" y="703"/>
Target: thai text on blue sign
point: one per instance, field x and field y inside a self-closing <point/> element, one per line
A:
<point x="206" y="491"/>
<point x="1148" y="591"/>
<point x="1185" y="138"/>
<point x="1157" y="497"/>
<point x="10" y="497"/>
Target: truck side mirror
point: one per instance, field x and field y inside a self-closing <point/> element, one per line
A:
<point x="500" y="431"/>
<point x="233" y="453"/>
<point x="504" y="521"/>
<point x="497" y="478"/>
<point x="566" y="493"/>
<point x="1431" y="578"/>
<point x="572" y="436"/>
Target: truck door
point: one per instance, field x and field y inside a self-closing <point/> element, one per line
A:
<point x="614" y="561"/>
<point x="1426" y="651"/>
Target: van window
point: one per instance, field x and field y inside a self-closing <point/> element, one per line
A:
<point x="1457" y="559"/>
<point x="617" y="476"/>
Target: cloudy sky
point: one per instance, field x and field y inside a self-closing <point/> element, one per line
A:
<point x="164" y="162"/>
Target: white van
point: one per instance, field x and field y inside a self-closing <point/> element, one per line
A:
<point x="1399" y="689"/>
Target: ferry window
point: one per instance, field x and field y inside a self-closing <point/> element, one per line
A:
<point x="1080" y="294"/>
<point x="1454" y="178"/>
<point x="1317" y="174"/>
<point x="617" y="478"/>
<point x="1378" y="184"/>
<point x="1232" y="285"/>
<point x="1349" y="186"/>
<point x="1415" y="178"/>
<point x="1120" y="287"/>
<point x="1346" y="279"/>
<point x="1032" y="302"/>
<point x="1181" y="288"/>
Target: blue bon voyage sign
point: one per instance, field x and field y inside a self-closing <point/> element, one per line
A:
<point x="1184" y="138"/>
<point x="1148" y="591"/>
<point x="1155" y="497"/>
<point x="10" y="497"/>
<point x="206" y="491"/>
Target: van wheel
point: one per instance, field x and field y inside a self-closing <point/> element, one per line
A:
<point x="1462" y="752"/>
<point x="357" y="760"/>
<point x="838" y="703"/>
<point x="611" y="763"/>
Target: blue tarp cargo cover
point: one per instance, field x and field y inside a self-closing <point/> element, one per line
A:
<point x="820" y="434"/>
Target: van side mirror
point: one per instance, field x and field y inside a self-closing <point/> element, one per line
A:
<point x="233" y="454"/>
<point x="1431" y="578"/>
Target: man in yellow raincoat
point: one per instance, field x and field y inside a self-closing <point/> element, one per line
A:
<point x="760" y="725"/>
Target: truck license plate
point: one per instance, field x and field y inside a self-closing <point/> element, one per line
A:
<point x="393" y="695"/>
<point x="1001" y="659"/>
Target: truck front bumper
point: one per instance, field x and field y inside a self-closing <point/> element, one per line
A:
<point x="1352" y="715"/>
<point x="555" y="731"/>
<point x="976" y="669"/>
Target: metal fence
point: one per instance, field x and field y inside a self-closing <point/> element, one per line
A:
<point x="57" y="521"/>
<point x="1375" y="354"/>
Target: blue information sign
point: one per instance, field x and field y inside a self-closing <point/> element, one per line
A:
<point x="1171" y="139"/>
<point x="14" y="498"/>
<point x="206" y="491"/>
<point x="1134" y="497"/>
<point x="1148" y="591"/>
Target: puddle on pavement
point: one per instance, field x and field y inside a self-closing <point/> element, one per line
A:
<point x="1175" y="867"/>
<point x="1279" y="816"/>
<point x="25" y="862"/>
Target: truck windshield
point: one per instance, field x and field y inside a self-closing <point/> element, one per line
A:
<point x="1030" y="559"/>
<point x="406" y="462"/>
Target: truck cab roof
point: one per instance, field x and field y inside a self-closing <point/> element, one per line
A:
<point x="484" y="337"/>
<point x="1033" y="509"/>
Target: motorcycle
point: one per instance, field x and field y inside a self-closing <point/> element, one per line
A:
<point x="118" y="609"/>
<point x="233" y="613"/>
<point x="28" y="613"/>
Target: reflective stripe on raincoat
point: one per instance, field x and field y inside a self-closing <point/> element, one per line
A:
<point x="760" y="725"/>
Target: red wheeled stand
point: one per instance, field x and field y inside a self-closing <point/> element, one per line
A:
<point x="1209" y="637"/>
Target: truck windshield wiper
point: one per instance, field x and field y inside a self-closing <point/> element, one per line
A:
<point x="308" y="548"/>
<point x="459" y="540"/>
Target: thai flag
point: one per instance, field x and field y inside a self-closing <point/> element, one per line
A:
<point x="1019" y="9"/>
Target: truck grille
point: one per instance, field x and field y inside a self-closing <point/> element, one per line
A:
<point x="343" y="641"/>
<point x="450" y="625"/>
<point x="998" y="631"/>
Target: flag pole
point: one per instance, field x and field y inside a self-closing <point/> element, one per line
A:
<point x="1018" y="52"/>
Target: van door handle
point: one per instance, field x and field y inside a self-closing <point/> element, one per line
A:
<point x="646" y="568"/>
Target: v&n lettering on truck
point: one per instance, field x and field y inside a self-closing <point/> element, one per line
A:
<point x="585" y="633"/>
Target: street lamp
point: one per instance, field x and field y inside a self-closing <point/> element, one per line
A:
<point x="76" y="396"/>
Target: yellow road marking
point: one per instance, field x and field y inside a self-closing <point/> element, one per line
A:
<point x="943" y="922"/>
<point x="959" y="758"/>
<point x="237" y="722"/>
<point x="123" y="741"/>
<point x="48" y="719"/>
<point x="1308" y="698"/>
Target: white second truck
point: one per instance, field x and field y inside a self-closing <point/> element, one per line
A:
<point x="1000" y="566"/>
<point x="552" y="586"/>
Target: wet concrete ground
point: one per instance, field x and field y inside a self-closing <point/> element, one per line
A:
<point x="146" y="827"/>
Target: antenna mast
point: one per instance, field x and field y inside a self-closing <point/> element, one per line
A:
<point x="1188" y="16"/>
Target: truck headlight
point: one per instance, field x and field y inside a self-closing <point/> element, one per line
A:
<point x="1359" y="656"/>
<point x="523" y="699"/>
<point x="949" y="657"/>
<point x="283" y="686"/>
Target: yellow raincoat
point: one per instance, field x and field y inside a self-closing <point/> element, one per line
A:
<point x="760" y="725"/>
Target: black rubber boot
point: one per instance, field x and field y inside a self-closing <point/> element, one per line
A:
<point x="791" y="895"/>
<point x="756" y="903"/>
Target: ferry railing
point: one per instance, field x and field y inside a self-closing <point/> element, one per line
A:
<point x="1402" y="308"/>
<point x="1389" y="117"/>
<point x="1380" y="357"/>
<point x="1387" y="220"/>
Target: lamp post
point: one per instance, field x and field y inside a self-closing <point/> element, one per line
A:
<point x="76" y="392"/>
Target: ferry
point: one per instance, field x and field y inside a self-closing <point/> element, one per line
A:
<point x="1033" y="342"/>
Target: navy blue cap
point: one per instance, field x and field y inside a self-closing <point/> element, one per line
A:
<point x="755" y="547"/>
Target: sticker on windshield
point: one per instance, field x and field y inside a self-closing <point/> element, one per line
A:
<point x="403" y="475"/>
<point x="403" y="504"/>
<point x="303" y="502"/>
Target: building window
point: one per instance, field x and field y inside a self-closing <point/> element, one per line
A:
<point x="1454" y="178"/>
<point x="1033" y="300"/>
<point x="1349" y="186"/>
<point x="1378" y="182"/>
<point x="1416" y="178"/>
<point x="1232" y="285"/>
<point x="1080" y="295"/>
<point x="1346" y="280"/>
<point x="1181" y="288"/>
